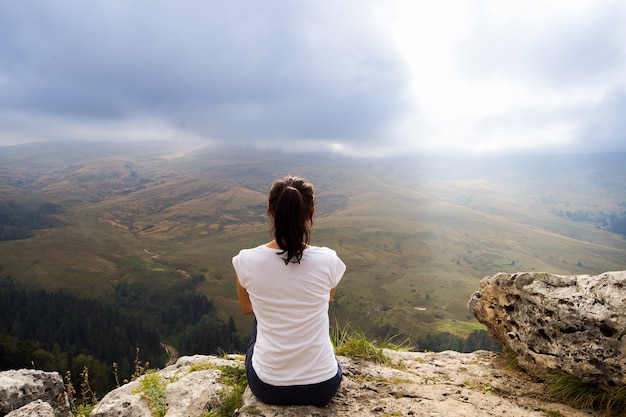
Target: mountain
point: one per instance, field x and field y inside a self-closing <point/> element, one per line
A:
<point x="417" y="233"/>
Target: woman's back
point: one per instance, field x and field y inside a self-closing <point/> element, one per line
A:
<point x="291" y="307"/>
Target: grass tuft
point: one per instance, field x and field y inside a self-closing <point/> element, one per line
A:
<point x="153" y="389"/>
<point x="508" y="358"/>
<point x="577" y="393"/>
<point x="354" y="343"/>
<point x="235" y="377"/>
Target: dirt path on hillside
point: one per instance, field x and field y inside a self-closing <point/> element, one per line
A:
<point x="153" y="255"/>
<point x="172" y="353"/>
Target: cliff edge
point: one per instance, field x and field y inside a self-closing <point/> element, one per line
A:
<point x="573" y="324"/>
<point x="414" y="384"/>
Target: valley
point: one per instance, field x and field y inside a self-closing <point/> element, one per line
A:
<point x="416" y="233"/>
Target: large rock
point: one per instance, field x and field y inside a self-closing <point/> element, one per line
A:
<point x="192" y="388"/>
<point x="572" y="323"/>
<point x="415" y="384"/>
<point x="24" y="386"/>
<point x="37" y="408"/>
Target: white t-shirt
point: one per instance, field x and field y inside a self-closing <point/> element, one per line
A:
<point x="290" y="303"/>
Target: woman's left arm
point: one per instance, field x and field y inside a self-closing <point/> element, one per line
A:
<point x="245" y="305"/>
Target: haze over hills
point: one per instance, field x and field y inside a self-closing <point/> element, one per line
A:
<point x="416" y="233"/>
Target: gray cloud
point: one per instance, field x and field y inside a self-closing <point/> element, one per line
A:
<point x="245" y="70"/>
<point x="563" y="50"/>
<point x="604" y="125"/>
<point x="491" y="76"/>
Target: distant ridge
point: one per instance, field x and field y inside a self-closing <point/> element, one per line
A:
<point x="415" y="231"/>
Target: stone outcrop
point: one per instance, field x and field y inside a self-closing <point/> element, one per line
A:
<point x="193" y="387"/>
<point x="413" y="384"/>
<point x="37" y="408"/>
<point x="572" y="323"/>
<point x="19" y="388"/>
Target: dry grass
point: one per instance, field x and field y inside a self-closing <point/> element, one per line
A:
<point x="572" y="390"/>
<point x="409" y="238"/>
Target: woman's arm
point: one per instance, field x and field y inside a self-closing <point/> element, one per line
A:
<point x="244" y="300"/>
<point x="332" y="293"/>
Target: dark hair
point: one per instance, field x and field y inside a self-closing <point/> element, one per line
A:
<point x="291" y="204"/>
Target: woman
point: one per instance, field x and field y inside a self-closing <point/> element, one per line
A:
<point x="287" y="284"/>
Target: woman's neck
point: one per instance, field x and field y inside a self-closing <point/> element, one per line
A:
<point x="272" y="244"/>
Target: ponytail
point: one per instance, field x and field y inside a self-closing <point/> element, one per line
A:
<point x="291" y="204"/>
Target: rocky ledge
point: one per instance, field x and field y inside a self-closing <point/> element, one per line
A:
<point x="570" y="323"/>
<point x="412" y="384"/>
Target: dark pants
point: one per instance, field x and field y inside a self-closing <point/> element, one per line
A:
<point x="318" y="394"/>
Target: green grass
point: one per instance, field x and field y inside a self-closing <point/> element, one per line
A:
<point x="572" y="390"/>
<point x="412" y="233"/>
<point x="354" y="343"/>
<point x="153" y="390"/>
<point x="135" y="263"/>
<point x="235" y="378"/>
<point x="460" y="328"/>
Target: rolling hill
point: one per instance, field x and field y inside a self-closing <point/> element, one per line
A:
<point x="417" y="233"/>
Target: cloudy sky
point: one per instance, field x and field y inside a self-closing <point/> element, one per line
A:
<point x="360" y="77"/>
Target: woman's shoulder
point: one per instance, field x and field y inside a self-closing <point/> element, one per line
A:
<point x="328" y="256"/>
<point x="255" y="251"/>
<point x="321" y="251"/>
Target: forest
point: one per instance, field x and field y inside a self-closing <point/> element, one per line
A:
<point x="440" y="341"/>
<point x="62" y="332"/>
<point x="612" y="222"/>
<point x="18" y="222"/>
<point x="59" y="331"/>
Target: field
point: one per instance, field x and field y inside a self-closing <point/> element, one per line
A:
<point x="417" y="234"/>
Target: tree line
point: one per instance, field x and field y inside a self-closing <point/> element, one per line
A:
<point x="17" y="222"/>
<point x="60" y="331"/>
<point x="438" y="341"/>
<point x="184" y="317"/>
<point x="613" y="222"/>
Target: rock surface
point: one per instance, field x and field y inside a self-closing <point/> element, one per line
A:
<point x="192" y="389"/>
<point x="414" y="384"/>
<point x="24" y="386"/>
<point x="37" y="408"/>
<point x="573" y="323"/>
